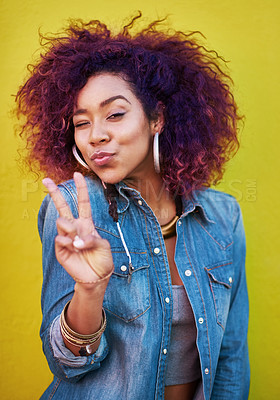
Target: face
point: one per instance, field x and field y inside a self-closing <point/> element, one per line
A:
<point x="112" y="130"/>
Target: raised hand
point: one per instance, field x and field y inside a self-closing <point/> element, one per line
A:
<point x="78" y="247"/>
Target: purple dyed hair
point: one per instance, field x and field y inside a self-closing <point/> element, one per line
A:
<point x="174" y="69"/>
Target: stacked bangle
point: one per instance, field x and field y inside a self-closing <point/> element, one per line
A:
<point x="76" y="339"/>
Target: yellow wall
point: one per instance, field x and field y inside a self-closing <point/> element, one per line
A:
<point x="245" y="32"/>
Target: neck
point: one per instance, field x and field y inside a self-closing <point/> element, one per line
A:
<point x="154" y="191"/>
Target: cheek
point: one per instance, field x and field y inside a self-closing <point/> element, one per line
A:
<point x="81" y="144"/>
<point x="137" y="144"/>
<point x="138" y="134"/>
<point x="79" y="140"/>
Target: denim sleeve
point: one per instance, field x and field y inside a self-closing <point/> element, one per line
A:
<point x="58" y="288"/>
<point x="232" y="377"/>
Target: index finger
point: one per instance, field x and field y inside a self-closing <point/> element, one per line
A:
<point x="83" y="197"/>
<point x="59" y="201"/>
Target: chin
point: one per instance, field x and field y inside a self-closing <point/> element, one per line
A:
<point x="111" y="178"/>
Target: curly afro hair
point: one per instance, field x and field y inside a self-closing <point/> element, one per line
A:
<point x="170" y="67"/>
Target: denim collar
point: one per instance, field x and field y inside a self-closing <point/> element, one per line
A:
<point x="196" y="203"/>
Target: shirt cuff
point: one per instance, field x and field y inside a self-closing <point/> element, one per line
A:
<point x="60" y="351"/>
<point x="66" y="357"/>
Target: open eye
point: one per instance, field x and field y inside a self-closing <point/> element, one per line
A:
<point x="116" y="115"/>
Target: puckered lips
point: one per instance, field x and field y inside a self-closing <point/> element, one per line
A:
<point x="101" y="158"/>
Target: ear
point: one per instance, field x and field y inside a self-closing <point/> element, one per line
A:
<point x="159" y="121"/>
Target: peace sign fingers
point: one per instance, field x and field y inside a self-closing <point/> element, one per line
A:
<point x="78" y="247"/>
<point x="84" y="224"/>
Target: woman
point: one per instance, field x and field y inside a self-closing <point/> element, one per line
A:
<point x="144" y="291"/>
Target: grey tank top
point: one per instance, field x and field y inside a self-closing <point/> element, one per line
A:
<point x="183" y="364"/>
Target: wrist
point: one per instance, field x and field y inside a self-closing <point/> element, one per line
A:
<point x="85" y="344"/>
<point x="94" y="285"/>
<point x="90" y="291"/>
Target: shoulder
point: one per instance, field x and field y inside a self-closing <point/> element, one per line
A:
<point x="214" y="195"/>
<point x="222" y="218"/>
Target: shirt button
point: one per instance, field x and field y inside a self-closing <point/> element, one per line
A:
<point x="167" y="300"/>
<point x="230" y="279"/>
<point x="179" y="223"/>
<point x="188" y="272"/>
<point x="123" y="268"/>
<point x="140" y="202"/>
<point x="156" y="250"/>
<point x="206" y="371"/>
<point x="201" y="320"/>
<point x="164" y="351"/>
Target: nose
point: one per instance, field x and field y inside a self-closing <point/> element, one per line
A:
<point x="98" y="135"/>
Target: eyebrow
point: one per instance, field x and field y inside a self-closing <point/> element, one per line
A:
<point x="102" y="104"/>
<point x="113" y="98"/>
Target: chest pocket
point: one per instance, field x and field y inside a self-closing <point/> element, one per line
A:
<point x="128" y="300"/>
<point x="221" y="279"/>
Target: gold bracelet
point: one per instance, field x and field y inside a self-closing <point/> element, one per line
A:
<point x="97" y="281"/>
<point x="79" y="340"/>
<point x="73" y="339"/>
<point x="79" y="335"/>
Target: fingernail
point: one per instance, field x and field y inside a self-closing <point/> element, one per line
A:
<point x="46" y="181"/>
<point x="78" y="242"/>
<point x="77" y="174"/>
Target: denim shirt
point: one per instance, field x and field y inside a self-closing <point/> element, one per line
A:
<point x="131" y="360"/>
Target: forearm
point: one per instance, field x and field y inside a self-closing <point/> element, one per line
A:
<point x="66" y="363"/>
<point x="84" y="313"/>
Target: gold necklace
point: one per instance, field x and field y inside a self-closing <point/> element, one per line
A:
<point x="169" y="230"/>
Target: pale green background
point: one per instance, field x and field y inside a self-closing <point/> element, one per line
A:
<point x="244" y="32"/>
